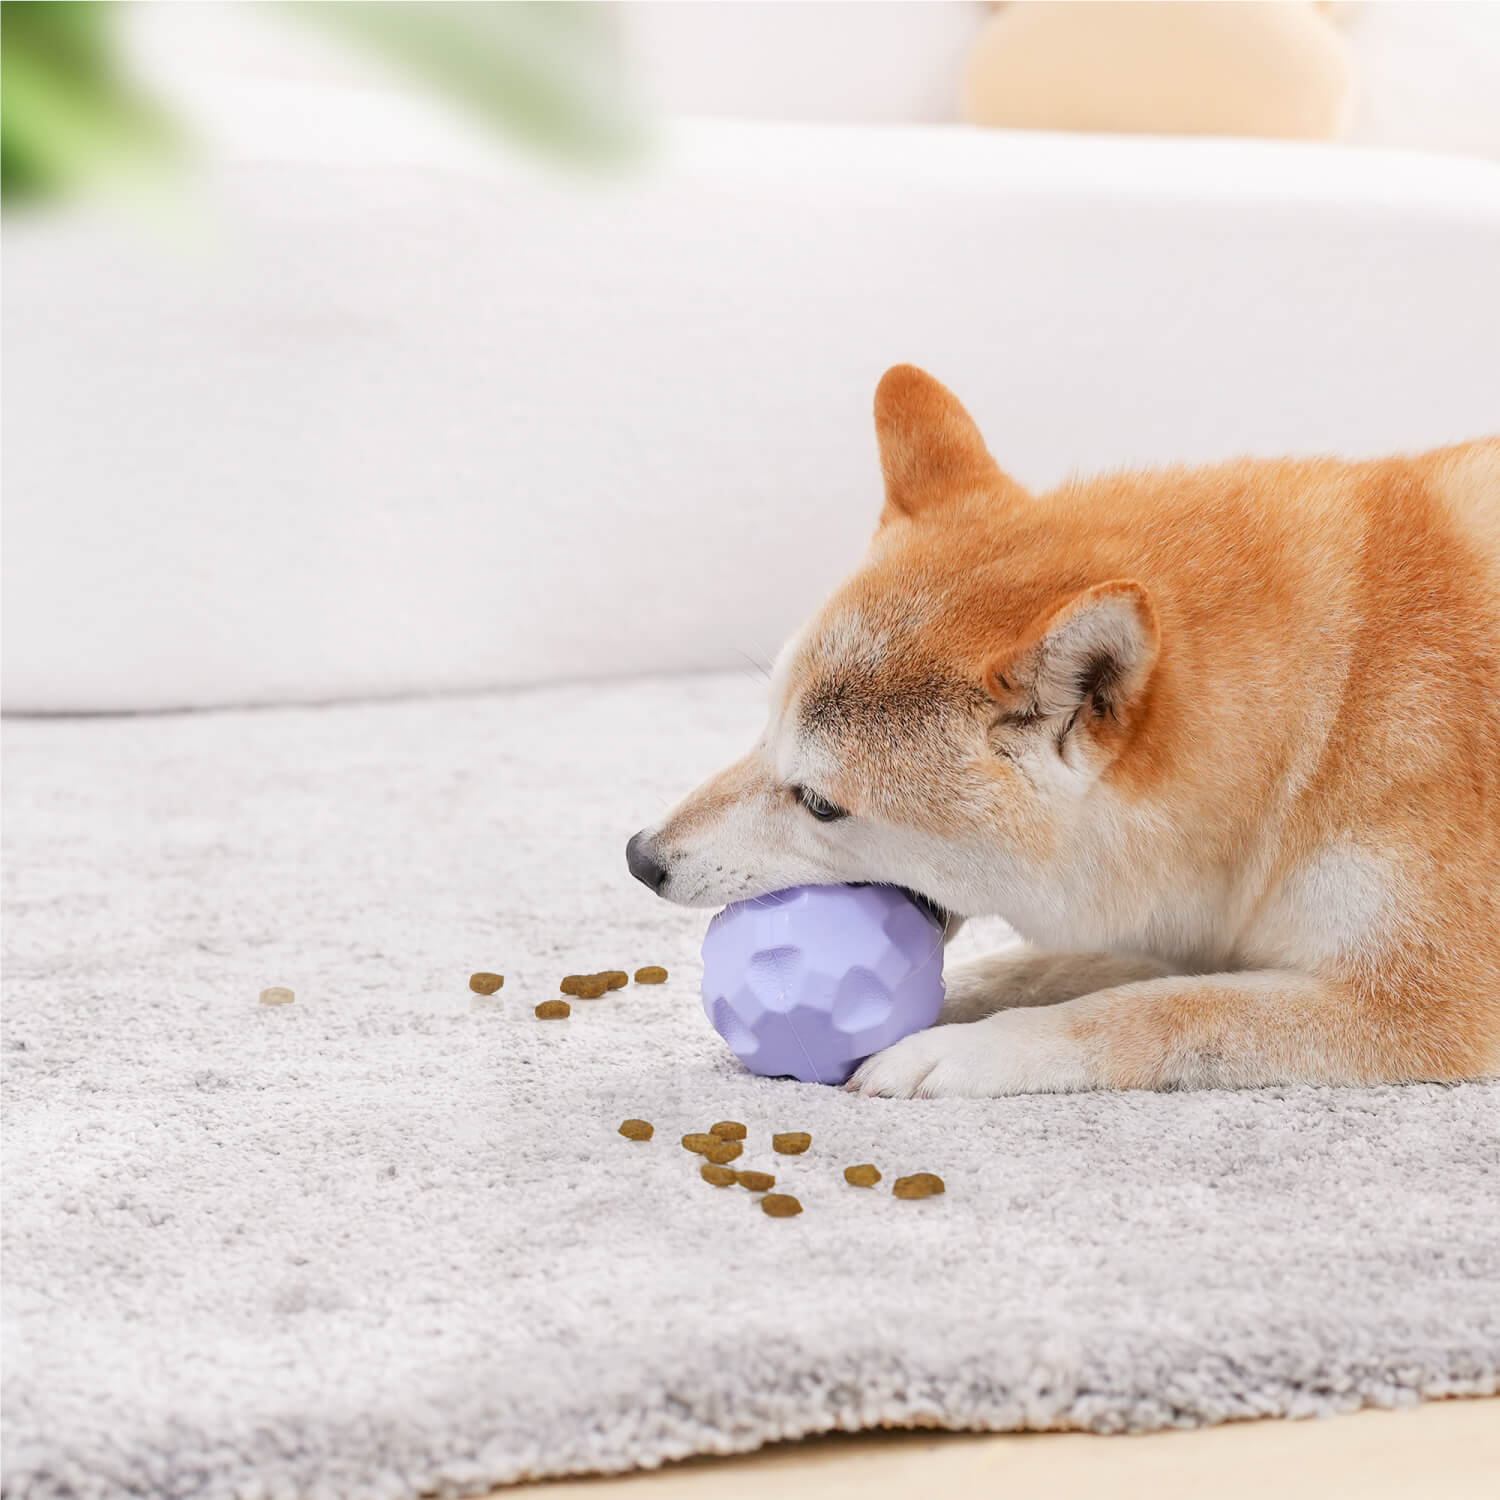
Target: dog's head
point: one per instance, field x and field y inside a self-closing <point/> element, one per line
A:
<point x="940" y="723"/>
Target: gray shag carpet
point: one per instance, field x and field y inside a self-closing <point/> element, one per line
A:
<point x="386" y="1241"/>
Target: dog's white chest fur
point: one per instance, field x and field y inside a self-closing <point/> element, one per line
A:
<point x="1335" y="906"/>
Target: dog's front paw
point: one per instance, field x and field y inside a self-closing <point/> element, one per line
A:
<point x="1016" y="1052"/>
<point x="898" y="1071"/>
<point x="933" y="1064"/>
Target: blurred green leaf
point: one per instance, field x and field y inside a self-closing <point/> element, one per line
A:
<point x="547" y="73"/>
<point x="67" y="114"/>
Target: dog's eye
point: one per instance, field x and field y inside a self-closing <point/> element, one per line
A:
<point x="820" y="807"/>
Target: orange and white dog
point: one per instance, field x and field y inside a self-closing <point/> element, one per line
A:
<point x="1222" y="744"/>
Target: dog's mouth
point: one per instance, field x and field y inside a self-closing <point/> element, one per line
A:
<point x="939" y="914"/>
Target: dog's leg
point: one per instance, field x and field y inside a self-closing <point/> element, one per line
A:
<point x="1206" y="1031"/>
<point x="1025" y="976"/>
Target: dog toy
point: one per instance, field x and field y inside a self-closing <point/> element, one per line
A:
<point x="809" y="981"/>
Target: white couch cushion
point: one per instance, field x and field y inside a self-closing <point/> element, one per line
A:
<point x="424" y="421"/>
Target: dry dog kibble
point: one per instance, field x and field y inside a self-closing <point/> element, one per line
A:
<point x="637" y="1130"/>
<point x="719" y="1176"/>
<point x="485" y="984"/>
<point x="780" y="1205"/>
<point x="791" y="1142"/>
<point x="614" y="979"/>
<point x="590" y="986"/>
<point x="862" y="1176"/>
<point x="278" y="994"/>
<point x="722" y="1151"/>
<point x="728" y="1130"/>
<point x="757" y="1182"/>
<point x="651" y="974"/>
<point x="699" y="1143"/>
<point x="918" y="1185"/>
<point x="553" y="1010"/>
<point x="570" y="983"/>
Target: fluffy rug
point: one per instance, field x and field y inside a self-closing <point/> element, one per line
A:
<point x="385" y="1240"/>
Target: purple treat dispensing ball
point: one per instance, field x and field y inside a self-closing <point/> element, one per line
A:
<point x="810" y="981"/>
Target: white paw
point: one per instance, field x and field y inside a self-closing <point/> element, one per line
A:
<point x="900" y="1071"/>
<point x="1016" y="1052"/>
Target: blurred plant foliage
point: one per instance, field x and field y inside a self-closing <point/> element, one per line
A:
<point x="68" y="115"/>
<point x="547" y="74"/>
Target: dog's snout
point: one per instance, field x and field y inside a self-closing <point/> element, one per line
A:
<point x="644" y="863"/>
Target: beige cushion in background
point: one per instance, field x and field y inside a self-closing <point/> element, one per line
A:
<point x="1264" y="68"/>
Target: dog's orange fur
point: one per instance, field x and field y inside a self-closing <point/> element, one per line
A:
<point x="1277" y="683"/>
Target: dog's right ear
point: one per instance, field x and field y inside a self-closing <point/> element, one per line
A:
<point x="930" y="449"/>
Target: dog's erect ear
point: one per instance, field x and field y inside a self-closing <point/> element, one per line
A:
<point x="1091" y="653"/>
<point x="930" y="449"/>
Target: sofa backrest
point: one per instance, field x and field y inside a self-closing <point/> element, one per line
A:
<point x="414" y="423"/>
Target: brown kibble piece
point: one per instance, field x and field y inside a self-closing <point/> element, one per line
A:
<point x="722" y="1151"/>
<point x="485" y="984"/>
<point x="863" y="1176"/>
<point x="698" y="1143"/>
<point x="780" y="1205"/>
<point x="651" y="974"/>
<point x="637" y="1130"/>
<point x="278" y="994"/>
<point x="791" y="1142"/>
<point x="591" y="986"/>
<point x="918" y="1185"/>
<point x="757" y="1182"/>
<point x="719" y="1176"/>
<point x="553" y="1010"/>
<point x="728" y="1130"/>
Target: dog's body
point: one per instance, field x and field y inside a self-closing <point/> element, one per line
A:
<point x="1223" y="744"/>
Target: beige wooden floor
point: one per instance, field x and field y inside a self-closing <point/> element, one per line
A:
<point x="1445" y="1450"/>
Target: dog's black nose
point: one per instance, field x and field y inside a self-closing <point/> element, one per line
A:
<point x="644" y="864"/>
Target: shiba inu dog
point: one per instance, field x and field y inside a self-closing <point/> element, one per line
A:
<point x="1222" y="744"/>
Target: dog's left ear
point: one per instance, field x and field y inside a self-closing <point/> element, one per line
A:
<point x="930" y="449"/>
<point x="1092" y="652"/>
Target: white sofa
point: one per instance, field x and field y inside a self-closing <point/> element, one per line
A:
<point x="401" y="415"/>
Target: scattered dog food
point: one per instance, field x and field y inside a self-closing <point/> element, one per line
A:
<point x="485" y="984"/>
<point x="728" y="1130"/>
<point x="651" y="974"/>
<point x="570" y="983"/>
<point x="722" y="1151"/>
<point x="637" y="1130"/>
<point x="757" y="1182"/>
<point x="278" y="994"/>
<point x="780" y="1205"/>
<point x="614" y="979"/>
<point x="918" y="1185"/>
<point x="590" y="986"/>
<point x="791" y="1142"/>
<point x="862" y="1176"/>
<point x="553" y="1010"/>
<point x="719" y="1176"/>
<point x="699" y="1143"/>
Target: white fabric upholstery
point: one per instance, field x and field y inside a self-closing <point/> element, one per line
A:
<point x="411" y="418"/>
